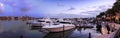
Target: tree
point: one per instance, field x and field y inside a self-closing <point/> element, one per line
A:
<point x="101" y="14"/>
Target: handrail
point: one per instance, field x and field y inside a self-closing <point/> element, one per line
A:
<point x="116" y="34"/>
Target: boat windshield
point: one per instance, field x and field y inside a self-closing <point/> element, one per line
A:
<point x="41" y="21"/>
<point x="55" y="24"/>
<point x="65" y="22"/>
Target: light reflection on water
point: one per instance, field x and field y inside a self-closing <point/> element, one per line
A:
<point x="19" y="29"/>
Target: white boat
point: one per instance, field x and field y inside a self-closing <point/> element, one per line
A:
<point x="39" y="22"/>
<point x="36" y="23"/>
<point x="62" y="26"/>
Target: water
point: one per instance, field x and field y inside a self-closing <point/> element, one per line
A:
<point x="19" y="29"/>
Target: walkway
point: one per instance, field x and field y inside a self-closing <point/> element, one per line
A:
<point x="113" y="26"/>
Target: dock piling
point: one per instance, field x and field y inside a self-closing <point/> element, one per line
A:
<point x="89" y="35"/>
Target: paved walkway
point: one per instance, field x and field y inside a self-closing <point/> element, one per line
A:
<point x="113" y="26"/>
<point x="105" y="35"/>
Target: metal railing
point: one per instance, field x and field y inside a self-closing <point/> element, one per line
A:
<point x="116" y="34"/>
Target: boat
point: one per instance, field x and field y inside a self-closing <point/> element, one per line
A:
<point x="62" y="26"/>
<point x="39" y="22"/>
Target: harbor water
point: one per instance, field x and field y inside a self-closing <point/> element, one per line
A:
<point x="19" y="29"/>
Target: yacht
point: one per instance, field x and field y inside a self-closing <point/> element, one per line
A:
<point x="39" y="22"/>
<point x="58" y="27"/>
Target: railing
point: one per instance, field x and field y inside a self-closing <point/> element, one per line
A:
<point x="116" y="34"/>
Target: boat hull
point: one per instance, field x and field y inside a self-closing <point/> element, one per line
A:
<point x="59" y="29"/>
<point x="64" y="34"/>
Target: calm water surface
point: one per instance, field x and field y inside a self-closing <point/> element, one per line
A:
<point x="19" y="29"/>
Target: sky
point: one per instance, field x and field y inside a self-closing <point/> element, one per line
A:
<point x="54" y="8"/>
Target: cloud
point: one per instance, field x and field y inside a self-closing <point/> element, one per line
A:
<point x="1" y="7"/>
<point x="68" y="8"/>
<point x="71" y="8"/>
<point x="97" y="9"/>
<point x="91" y="11"/>
<point x="85" y="14"/>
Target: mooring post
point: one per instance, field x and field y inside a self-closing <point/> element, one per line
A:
<point x="63" y="31"/>
<point x="21" y="36"/>
<point x="89" y="35"/>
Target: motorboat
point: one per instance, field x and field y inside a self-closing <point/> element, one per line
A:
<point x="61" y="26"/>
<point x="39" y="22"/>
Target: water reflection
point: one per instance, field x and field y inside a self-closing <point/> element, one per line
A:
<point x="64" y="34"/>
<point x="79" y="29"/>
<point x="19" y="29"/>
<point x="99" y="27"/>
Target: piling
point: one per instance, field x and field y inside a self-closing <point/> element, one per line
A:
<point x="21" y="36"/>
<point x="63" y="30"/>
<point x="89" y="35"/>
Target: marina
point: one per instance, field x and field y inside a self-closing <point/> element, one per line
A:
<point x="17" y="29"/>
<point x="59" y="18"/>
